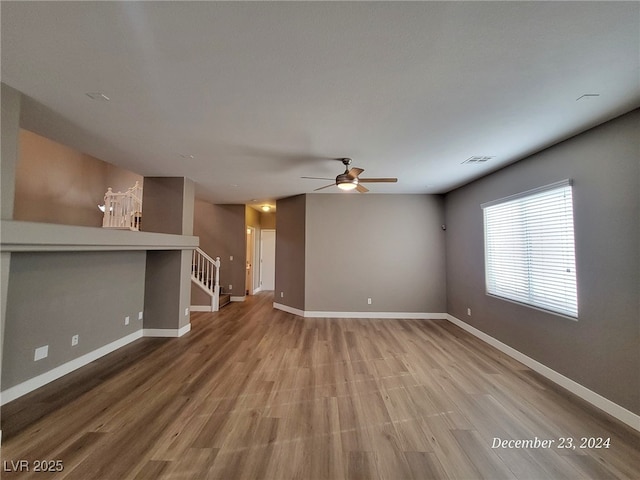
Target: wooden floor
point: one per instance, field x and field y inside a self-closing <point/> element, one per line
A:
<point x="253" y="393"/>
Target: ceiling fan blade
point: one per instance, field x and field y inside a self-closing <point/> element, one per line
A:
<point x="362" y="188"/>
<point x="378" y="180"/>
<point x="318" y="178"/>
<point x="326" y="186"/>
<point x="354" y="172"/>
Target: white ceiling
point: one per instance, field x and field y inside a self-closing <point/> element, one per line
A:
<point x="262" y="93"/>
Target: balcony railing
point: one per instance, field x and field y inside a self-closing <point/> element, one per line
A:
<point x="123" y="209"/>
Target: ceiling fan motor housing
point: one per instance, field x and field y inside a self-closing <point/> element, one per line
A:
<point x="345" y="178"/>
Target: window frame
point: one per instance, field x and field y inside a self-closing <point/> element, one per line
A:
<point x="530" y="289"/>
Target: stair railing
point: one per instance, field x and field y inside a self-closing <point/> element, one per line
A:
<point x="123" y="209"/>
<point x="205" y="272"/>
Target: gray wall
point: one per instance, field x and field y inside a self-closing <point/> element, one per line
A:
<point x="168" y="207"/>
<point x="221" y="229"/>
<point x="222" y="232"/>
<point x="10" y="122"/>
<point x="290" y="252"/>
<point x="389" y="248"/>
<point x="600" y="350"/>
<point x="10" y="126"/>
<point x="167" y="289"/>
<point x="163" y="205"/>
<point x="83" y="293"/>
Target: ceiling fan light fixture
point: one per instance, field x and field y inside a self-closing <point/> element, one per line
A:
<point x="347" y="186"/>
<point x="346" y="182"/>
<point x="349" y="180"/>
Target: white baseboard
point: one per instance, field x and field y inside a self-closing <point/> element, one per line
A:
<point x="48" y="377"/>
<point x="389" y="315"/>
<point x="41" y="380"/>
<point x="167" y="332"/>
<point x="238" y="299"/>
<point x="200" y="308"/>
<point x="319" y="314"/>
<point x="288" y="309"/>
<point x="257" y="290"/>
<point x="574" y="387"/>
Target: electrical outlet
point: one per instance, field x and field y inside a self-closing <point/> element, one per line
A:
<point x="281" y="294"/>
<point x="40" y="353"/>
<point x="126" y="320"/>
<point x="74" y="340"/>
<point x="368" y="301"/>
<point x="468" y="311"/>
<point x="186" y="312"/>
<point x="139" y="315"/>
<point x="230" y="287"/>
<point x="231" y="258"/>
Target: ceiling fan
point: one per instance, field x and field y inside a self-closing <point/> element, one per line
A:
<point x="349" y="180"/>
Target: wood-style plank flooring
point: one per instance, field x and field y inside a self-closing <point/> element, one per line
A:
<point x="256" y="393"/>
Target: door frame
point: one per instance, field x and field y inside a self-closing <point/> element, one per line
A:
<point x="250" y="260"/>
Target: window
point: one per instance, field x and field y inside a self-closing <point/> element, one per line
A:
<point x="529" y="249"/>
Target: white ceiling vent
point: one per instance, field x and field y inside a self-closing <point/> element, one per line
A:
<point x="99" y="96"/>
<point x="477" y="159"/>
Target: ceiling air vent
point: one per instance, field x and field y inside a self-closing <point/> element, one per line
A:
<point x="477" y="159"/>
<point x="98" y="96"/>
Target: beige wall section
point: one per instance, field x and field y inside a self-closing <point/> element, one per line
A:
<point x="254" y="220"/>
<point x="290" y="252"/>
<point x="57" y="184"/>
<point x="268" y="220"/>
<point x="120" y="180"/>
<point x="390" y="248"/>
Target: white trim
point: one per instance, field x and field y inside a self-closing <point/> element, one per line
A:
<point x="203" y="287"/>
<point x="18" y="236"/>
<point x="321" y="314"/>
<point x="47" y="377"/>
<point x="257" y="290"/>
<point x="389" y="315"/>
<point x="238" y="299"/>
<point x="590" y="396"/>
<point x="200" y="308"/>
<point x="41" y="380"/>
<point x="288" y="309"/>
<point x="545" y="188"/>
<point x="167" y="332"/>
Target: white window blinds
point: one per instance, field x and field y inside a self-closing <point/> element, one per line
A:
<point x="529" y="248"/>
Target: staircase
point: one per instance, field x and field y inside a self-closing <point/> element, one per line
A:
<point x="123" y="210"/>
<point x="205" y="273"/>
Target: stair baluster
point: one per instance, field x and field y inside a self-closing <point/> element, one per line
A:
<point x="205" y="272"/>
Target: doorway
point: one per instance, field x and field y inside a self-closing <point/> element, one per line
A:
<point x="268" y="259"/>
<point x="251" y="245"/>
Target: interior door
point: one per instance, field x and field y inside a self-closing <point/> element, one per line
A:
<point x="268" y="260"/>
